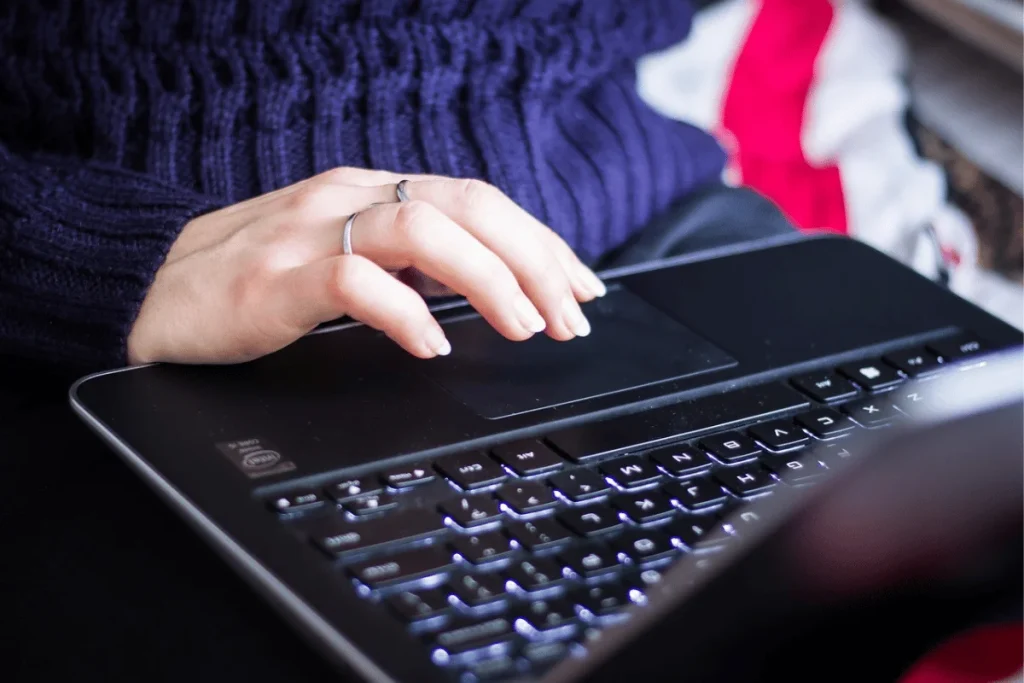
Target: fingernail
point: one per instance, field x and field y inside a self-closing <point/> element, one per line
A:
<point x="438" y="343"/>
<point x="591" y="281"/>
<point x="528" y="315"/>
<point x="574" y="317"/>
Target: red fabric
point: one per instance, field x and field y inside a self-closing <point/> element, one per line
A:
<point x="765" y="109"/>
<point x="763" y="118"/>
<point x="982" y="656"/>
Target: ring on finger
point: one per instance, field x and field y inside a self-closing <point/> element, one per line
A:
<point x="346" y="234"/>
<point x="403" y="195"/>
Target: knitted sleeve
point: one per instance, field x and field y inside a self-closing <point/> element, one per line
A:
<point x="79" y="247"/>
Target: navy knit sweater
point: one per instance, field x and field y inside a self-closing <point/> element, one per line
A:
<point x="120" y="120"/>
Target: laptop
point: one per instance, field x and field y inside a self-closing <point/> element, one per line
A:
<point x="577" y="511"/>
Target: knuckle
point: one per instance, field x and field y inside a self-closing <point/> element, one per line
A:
<point x="345" y="276"/>
<point x="476" y="193"/>
<point x="410" y="218"/>
<point x="313" y="200"/>
<point x="339" y="175"/>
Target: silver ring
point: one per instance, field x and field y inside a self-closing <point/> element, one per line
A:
<point x="403" y="196"/>
<point x="346" y="234"/>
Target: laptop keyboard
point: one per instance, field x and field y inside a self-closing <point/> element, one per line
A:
<point x="504" y="561"/>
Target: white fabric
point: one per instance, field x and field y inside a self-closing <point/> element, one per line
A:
<point x="855" y="120"/>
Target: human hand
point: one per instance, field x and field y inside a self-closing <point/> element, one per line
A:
<point x="253" y="277"/>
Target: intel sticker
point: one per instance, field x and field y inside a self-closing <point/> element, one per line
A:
<point x="256" y="457"/>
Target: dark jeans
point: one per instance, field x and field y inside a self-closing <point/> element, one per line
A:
<point x="714" y="217"/>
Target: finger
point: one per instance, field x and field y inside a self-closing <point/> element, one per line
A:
<point x="417" y="235"/>
<point x="354" y="286"/>
<point x="585" y="283"/>
<point x="510" y="233"/>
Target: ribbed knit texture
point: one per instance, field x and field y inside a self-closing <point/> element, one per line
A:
<point x="123" y="119"/>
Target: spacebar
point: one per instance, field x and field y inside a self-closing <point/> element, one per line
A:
<point x="678" y="421"/>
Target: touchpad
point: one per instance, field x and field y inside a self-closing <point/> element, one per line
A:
<point x="632" y="345"/>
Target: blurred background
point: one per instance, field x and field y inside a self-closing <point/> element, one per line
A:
<point x="898" y="122"/>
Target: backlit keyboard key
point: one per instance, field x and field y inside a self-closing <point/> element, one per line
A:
<point x="402" y="567"/>
<point x="407" y="476"/>
<point x="538" y="534"/>
<point x="464" y="637"/>
<point x="825" y="387"/>
<point x="296" y="502"/>
<point x="591" y="520"/>
<point x="916" y="362"/>
<point x="603" y="600"/>
<point x="779" y="435"/>
<point x="483" y="548"/>
<point x="535" y="574"/>
<point x="590" y="561"/>
<point x="348" y="489"/>
<point x="478" y="589"/>
<point x="794" y="468"/>
<point x="745" y="481"/>
<point x="471" y="511"/>
<point x="644" y="507"/>
<point x="526" y="497"/>
<point x="958" y="347"/>
<point x="696" y="494"/>
<point x="472" y="470"/>
<point x="527" y="458"/>
<point x="834" y="455"/>
<point x="825" y="423"/>
<point x="336" y="536"/>
<point x="730" y="447"/>
<point x="546" y="618"/>
<point x="580" y="485"/>
<point x="372" y="504"/>
<point x="872" y="412"/>
<point x="696" y="532"/>
<point x="416" y="606"/>
<point x="681" y="461"/>
<point x="631" y="471"/>
<point x="873" y="376"/>
<point x="641" y="546"/>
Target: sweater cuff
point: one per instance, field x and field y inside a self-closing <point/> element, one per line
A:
<point x="79" y="249"/>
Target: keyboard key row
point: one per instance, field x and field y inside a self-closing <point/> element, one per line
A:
<point x="885" y="373"/>
<point x="637" y="545"/>
<point x="532" y="457"/>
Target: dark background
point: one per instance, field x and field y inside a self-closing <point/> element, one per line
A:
<point x="98" y="580"/>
